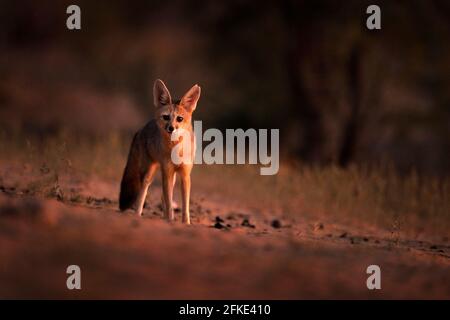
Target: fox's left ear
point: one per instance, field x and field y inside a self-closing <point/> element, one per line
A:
<point x="190" y="99"/>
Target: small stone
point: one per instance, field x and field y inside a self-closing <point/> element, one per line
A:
<point x="57" y="192"/>
<point x="246" y="223"/>
<point x="276" y="224"/>
<point x="218" y="225"/>
<point x="219" y="219"/>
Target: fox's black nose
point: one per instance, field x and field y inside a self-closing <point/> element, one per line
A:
<point x="170" y="128"/>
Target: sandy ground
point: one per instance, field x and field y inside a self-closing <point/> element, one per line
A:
<point x="228" y="252"/>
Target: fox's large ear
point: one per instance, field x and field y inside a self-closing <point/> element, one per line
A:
<point x="190" y="99"/>
<point x="161" y="95"/>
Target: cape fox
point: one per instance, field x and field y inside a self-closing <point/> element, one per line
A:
<point x="151" y="148"/>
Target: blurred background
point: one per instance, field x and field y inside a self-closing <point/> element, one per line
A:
<point x="338" y="92"/>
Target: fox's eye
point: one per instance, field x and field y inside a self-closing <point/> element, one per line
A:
<point x="166" y="117"/>
<point x="179" y="118"/>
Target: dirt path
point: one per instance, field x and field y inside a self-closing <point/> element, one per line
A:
<point x="228" y="252"/>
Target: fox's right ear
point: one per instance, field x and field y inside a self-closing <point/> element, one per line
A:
<point x="161" y="95"/>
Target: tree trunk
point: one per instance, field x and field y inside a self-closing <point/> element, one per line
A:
<point x="305" y="114"/>
<point x="350" y="134"/>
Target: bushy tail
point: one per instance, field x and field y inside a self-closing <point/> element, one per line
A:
<point x="131" y="181"/>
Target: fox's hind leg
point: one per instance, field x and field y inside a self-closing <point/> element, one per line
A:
<point x="147" y="181"/>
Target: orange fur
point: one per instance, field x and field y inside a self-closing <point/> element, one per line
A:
<point x="151" y="148"/>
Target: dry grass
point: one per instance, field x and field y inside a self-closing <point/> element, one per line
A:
<point x="379" y="196"/>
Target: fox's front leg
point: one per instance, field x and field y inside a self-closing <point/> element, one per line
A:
<point x="174" y="204"/>
<point x="168" y="175"/>
<point x="186" y="193"/>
